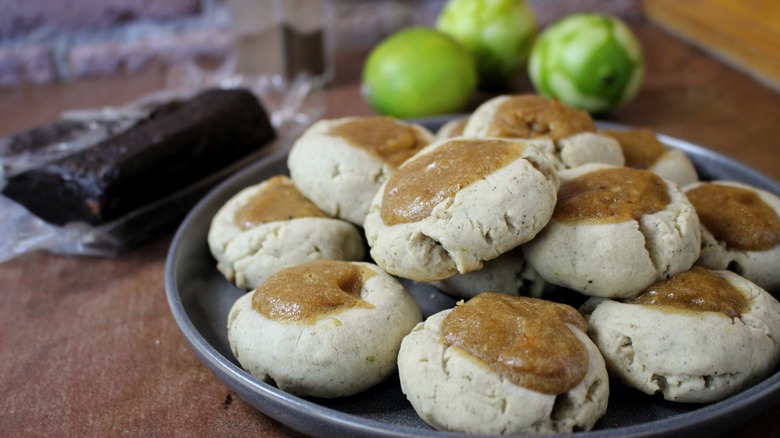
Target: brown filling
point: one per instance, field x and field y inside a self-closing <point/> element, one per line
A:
<point x="532" y="116"/>
<point x="308" y="292"/>
<point x="279" y="200"/>
<point x="421" y="184"/>
<point x="610" y="196"/>
<point x="641" y="147"/>
<point x="383" y="137"/>
<point x="525" y="340"/>
<point x="736" y="216"/>
<point x="698" y="290"/>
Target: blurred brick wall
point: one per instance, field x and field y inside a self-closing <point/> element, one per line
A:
<point x="52" y="40"/>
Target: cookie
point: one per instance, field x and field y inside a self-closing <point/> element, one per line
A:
<point x="458" y="203"/>
<point x="324" y="329"/>
<point x="698" y="337"/>
<point x="527" y="116"/>
<point x="501" y="364"/>
<point x="642" y="150"/>
<point x="614" y="231"/>
<point x="740" y="230"/>
<point x="567" y="134"/>
<point x="270" y="226"/>
<point x="339" y="164"/>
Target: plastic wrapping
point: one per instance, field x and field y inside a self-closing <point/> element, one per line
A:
<point x="291" y="105"/>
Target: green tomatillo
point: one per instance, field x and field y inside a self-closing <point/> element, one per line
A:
<point x="498" y="33"/>
<point x="418" y="72"/>
<point x="589" y="61"/>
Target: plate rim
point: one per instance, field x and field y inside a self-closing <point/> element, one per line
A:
<point x="311" y="418"/>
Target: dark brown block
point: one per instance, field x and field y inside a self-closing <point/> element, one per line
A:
<point x="177" y="145"/>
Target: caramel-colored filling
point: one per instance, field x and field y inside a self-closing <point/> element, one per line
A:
<point x="610" y="196"/>
<point x="736" y="216"/>
<point x="279" y="200"/>
<point x="641" y="147"/>
<point x="422" y="183"/>
<point x="697" y="290"/>
<point x="383" y="137"/>
<point x="532" y="116"/>
<point x="308" y="292"/>
<point x="525" y="340"/>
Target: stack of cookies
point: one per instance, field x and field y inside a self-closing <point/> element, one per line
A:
<point x="506" y="209"/>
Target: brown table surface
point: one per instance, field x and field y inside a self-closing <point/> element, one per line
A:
<point x="88" y="345"/>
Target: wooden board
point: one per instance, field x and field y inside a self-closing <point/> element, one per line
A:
<point x="744" y="34"/>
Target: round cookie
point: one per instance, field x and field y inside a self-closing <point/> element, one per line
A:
<point x="740" y="230"/>
<point x="270" y="226"/>
<point x="324" y="329"/>
<point x="340" y="163"/>
<point x="698" y="337"/>
<point x="472" y="369"/>
<point x="643" y="150"/>
<point x="527" y="116"/>
<point x="458" y="203"/>
<point x="614" y="231"/>
<point x="567" y="134"/>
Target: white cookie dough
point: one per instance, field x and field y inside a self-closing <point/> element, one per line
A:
<point x="685" y="355"/>
<point x="453" y="391"/>
<point x="675" y="166"/>
<point x="759" y="266"/>
<point x="589" y="147"/>
<point x="336" y="355"/>
<point x="478" y="223"/>
<point x="247" y="256"/>
<point x="341" y="177"/>
<point x="617" y="259"/>
<point x="256" y="254"/>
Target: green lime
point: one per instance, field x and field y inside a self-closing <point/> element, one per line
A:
<point x="498" y="33"/>
<point x="588" y="61"/>
<point x="418" y="72"/>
